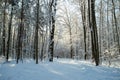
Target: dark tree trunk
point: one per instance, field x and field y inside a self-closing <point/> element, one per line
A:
<point x="93" y="28"/>
<point x="9" y="34"/>
<point x="83" y="12"/>
<point x="36" y="33"/>
<point x="4" y="31"/>
<point x="20" y="34"/>
<point x="95" y="34"/>
<point x="53" y="5"/>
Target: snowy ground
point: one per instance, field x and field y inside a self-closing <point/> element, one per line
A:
<point x="60" y="69"/>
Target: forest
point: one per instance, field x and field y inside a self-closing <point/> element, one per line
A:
<point x="56" y="30"/>
<point x="49" y="28"/>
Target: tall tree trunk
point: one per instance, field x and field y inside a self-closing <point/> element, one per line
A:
<point x="116" y="26"/>
<point x="53" y="5"/>
<point x="83" y="12"/>
<point x="4" y="31"/>
<point x="91" y="31"/>
<point x="93" y="28"/>
<point x="96" y="47"/>
<point x="20" y="34"/>
<point x="9" y="34"/>
<point x="36" y="33"/>
<point x="100" y="31"/>
<point x="108" y="25"/>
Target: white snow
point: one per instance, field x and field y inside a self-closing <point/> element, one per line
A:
<point x="60" y="69"/>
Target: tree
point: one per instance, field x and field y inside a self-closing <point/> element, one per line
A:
<point x="53" y="5"/>
<point x="93" y="28"/>
<point x="9" y="33"/>
<point x="4" y="31"/>
<point x="20" y="33"/>
<point x="116" y="26"/>
<point x="83" y="13"/>
<point x="36" y="33"/>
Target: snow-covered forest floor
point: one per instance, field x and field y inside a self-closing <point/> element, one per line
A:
<point x="60" y="69"/>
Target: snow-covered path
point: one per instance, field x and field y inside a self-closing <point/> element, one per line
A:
<point x="59" y="70"/>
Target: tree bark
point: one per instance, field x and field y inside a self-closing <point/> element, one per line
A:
<point x="20" y="34"/>
<point x="93" y="28"/>
<point x="116" y="26"/>
<point x="83" y="12"/>
<point x="9" y="34"/>
<point x="36" y="33"/>
<point x="4" y="31"/>
<point x="51" y="44"/>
